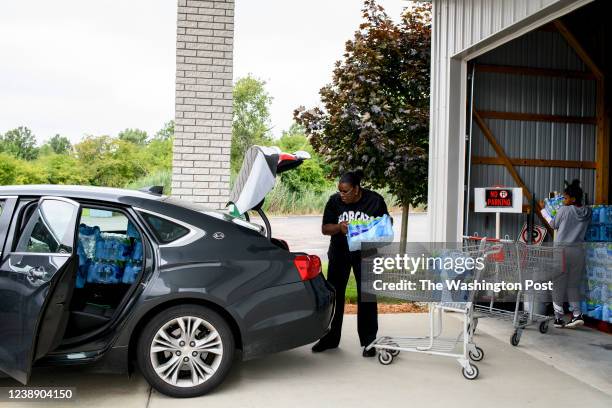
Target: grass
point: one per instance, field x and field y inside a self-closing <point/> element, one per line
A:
<point x="281" y="201"/>
<point x="159" y="178"/>
<point x="350" y="295"/>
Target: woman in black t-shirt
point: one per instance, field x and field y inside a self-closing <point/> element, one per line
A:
<point x="351" y="202"/>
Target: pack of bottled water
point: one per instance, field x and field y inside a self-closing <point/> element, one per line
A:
<point x="600" y="227"/>
<point x="107" y="258"/>
<point x="599" y="281"/>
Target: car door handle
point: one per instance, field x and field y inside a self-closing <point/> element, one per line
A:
<point x="37" y="273"/>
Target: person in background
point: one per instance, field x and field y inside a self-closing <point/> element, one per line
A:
<point x="570" y="223"/>
<point x="351" y="202"/>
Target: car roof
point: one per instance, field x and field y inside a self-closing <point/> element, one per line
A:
<point x="117" y="195"/>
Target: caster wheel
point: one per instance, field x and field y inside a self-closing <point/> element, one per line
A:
<point x="476" y="355"/>
<point x="515" y="339"/>
<point x="544" y="327"/>
<point x="385" y="358"/>
<point x="471" y="373"/>
<point x="394" y="353"/>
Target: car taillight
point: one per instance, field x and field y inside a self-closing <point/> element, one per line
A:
<point x="309" y="266"/>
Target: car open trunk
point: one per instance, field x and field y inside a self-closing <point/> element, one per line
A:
<point x="257" y="177"/>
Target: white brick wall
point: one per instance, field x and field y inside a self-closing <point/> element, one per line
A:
<point x="203" y="132"/>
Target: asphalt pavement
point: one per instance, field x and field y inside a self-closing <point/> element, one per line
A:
<point x="303" y="233"/>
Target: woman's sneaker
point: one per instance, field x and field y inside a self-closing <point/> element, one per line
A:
<point x="575" y="322"/>
<point x="559" y="323"/>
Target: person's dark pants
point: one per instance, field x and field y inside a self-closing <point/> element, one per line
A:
<point x="338" y="273"/>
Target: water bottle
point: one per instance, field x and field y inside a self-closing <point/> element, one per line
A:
<point x="137" y="252"/>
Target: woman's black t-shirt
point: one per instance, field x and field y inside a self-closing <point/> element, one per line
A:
<point x="370" y="205"/>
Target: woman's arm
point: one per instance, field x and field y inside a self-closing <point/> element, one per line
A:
<point x="333" y="229"/>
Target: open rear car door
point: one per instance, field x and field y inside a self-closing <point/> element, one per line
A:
<point x="37" y="277"/>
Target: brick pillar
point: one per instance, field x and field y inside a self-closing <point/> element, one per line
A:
<point x="203" y="131"/>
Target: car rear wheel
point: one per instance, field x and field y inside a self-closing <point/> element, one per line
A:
<point x="186" y="351"/>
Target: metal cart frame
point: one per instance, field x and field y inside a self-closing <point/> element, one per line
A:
<point x="389" y="347"/>
<point x="518" y="261"/>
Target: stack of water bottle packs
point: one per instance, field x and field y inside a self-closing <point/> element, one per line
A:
<point x="600" y="228"/>
<point x="108" y="258"/>
<point x="599" y="264"/>
<point x="599" y="280"/>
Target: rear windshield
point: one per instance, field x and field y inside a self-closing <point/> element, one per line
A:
<point x="221" y="215"/>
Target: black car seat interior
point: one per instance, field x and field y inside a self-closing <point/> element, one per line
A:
<point x="109" y="264"/>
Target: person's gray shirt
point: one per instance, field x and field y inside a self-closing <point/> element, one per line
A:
<point x="571" y="223"/>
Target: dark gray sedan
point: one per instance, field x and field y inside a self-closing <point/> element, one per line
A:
<point x="108" y="277"/>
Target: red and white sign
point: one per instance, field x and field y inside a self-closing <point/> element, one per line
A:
<point x="498" y="200"/>
<point x="539" y="233"/>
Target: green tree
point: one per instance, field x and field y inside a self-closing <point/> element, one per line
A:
<point x="251" y="118"/>
<point x="375" y="113"/>
<point x="136" y="136"/>
<point x="111" y="162"/>
<point x="60" y="169"/>
<point x="311" y="175"/>
<point x="8" y="169"/>
<point x="167" y="132"/>
<point x="59" y="144"/>
<point x="18" y="171"/>
<point x="19" y="142"/>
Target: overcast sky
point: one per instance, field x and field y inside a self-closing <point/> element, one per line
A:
<point x="78" y="67"/>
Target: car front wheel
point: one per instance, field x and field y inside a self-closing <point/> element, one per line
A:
<point x="186" y="351"/>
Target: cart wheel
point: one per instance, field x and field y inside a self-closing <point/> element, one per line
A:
<point x="544" y="327"/>
<point x="477" y="355"/>
<point x="471" y="373"/>
<point x="385" y="358"/>
<point x="515" y="339"/>
<point x="394" y="353"/>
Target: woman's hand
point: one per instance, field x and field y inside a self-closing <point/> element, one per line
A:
<point x="333" y="229"/>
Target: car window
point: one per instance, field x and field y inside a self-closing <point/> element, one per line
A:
<point x="49" y="229"/>
<point x="1" y="206"/>
<point x="165" y="230"/>
<point x="109" y="247"/>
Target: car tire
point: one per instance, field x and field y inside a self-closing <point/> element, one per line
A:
<point x="186" y="351"/>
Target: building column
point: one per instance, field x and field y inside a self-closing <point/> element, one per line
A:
<point x="203" y="110"/>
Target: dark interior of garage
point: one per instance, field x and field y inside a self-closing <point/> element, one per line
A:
<point x="541" y="116"/>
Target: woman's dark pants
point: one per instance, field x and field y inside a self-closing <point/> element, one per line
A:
<point x="338" y="273"/>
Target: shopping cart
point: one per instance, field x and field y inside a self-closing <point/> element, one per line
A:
<point x="460" y="347"/>
<point x="518" y="262"/>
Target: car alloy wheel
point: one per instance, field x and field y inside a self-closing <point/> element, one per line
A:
<point x="186" y="351"/>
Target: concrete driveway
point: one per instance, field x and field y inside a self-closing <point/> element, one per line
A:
<point x="509" y="377"/>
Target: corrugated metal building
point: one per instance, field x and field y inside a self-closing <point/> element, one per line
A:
<point x="517" y="100"/>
